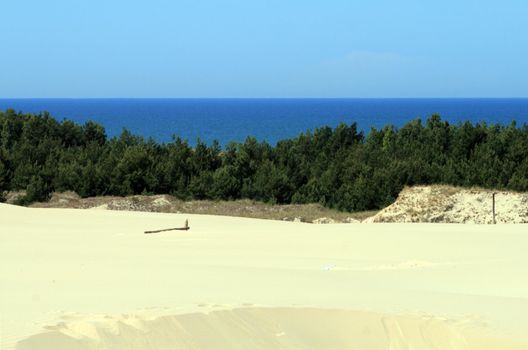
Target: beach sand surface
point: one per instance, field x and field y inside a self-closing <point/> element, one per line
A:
<point x="91" y="279"/>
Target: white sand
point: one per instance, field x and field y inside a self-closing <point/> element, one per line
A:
<point x="89" y="279"/>
<point x="448" y="204"/>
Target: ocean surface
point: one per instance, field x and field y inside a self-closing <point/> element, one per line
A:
<point x="267" y="119"/>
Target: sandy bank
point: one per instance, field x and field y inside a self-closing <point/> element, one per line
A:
<point x="448" y="204"/>
<point x="266" y="328"/>
<point x="227" y="279"/>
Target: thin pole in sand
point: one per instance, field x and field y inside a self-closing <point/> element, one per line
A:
<point x="493" y="208"/>
<point x="185" y="228"/>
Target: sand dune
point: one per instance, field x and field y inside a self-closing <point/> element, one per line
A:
<point x="265" y="328"/>
<point x="448" y="204"/>
<point x="89" y="279"/>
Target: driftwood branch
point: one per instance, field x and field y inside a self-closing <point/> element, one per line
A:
<point x="185" y="228"/>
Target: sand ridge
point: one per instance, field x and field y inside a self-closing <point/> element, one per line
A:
<point x="448" y="204"/>
<point x="265" y="328"/>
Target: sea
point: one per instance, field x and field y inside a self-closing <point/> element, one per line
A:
<point x="268" y="120"/>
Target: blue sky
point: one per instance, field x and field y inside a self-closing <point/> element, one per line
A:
<point x="237" y="48"/>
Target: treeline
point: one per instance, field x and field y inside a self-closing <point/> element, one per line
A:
<point x="339" y="168"/>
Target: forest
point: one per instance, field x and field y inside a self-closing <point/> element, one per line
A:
<point x="341" y="167"/>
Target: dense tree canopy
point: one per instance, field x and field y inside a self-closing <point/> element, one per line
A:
<point x="339" y="168"/>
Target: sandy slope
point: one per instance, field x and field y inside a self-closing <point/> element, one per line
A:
<point x="81" y="279"/>
<point x="448" y="204"/>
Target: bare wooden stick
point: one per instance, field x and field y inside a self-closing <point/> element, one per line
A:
<point x="493" y="209"/>
<point x="185" y="228"/>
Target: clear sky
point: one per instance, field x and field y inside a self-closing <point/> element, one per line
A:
<point x="259" y="48"/>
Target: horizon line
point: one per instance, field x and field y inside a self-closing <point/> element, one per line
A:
<point x="264" y="98"/>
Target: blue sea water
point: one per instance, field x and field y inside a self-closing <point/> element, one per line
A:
<point x="267" y="119"/>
